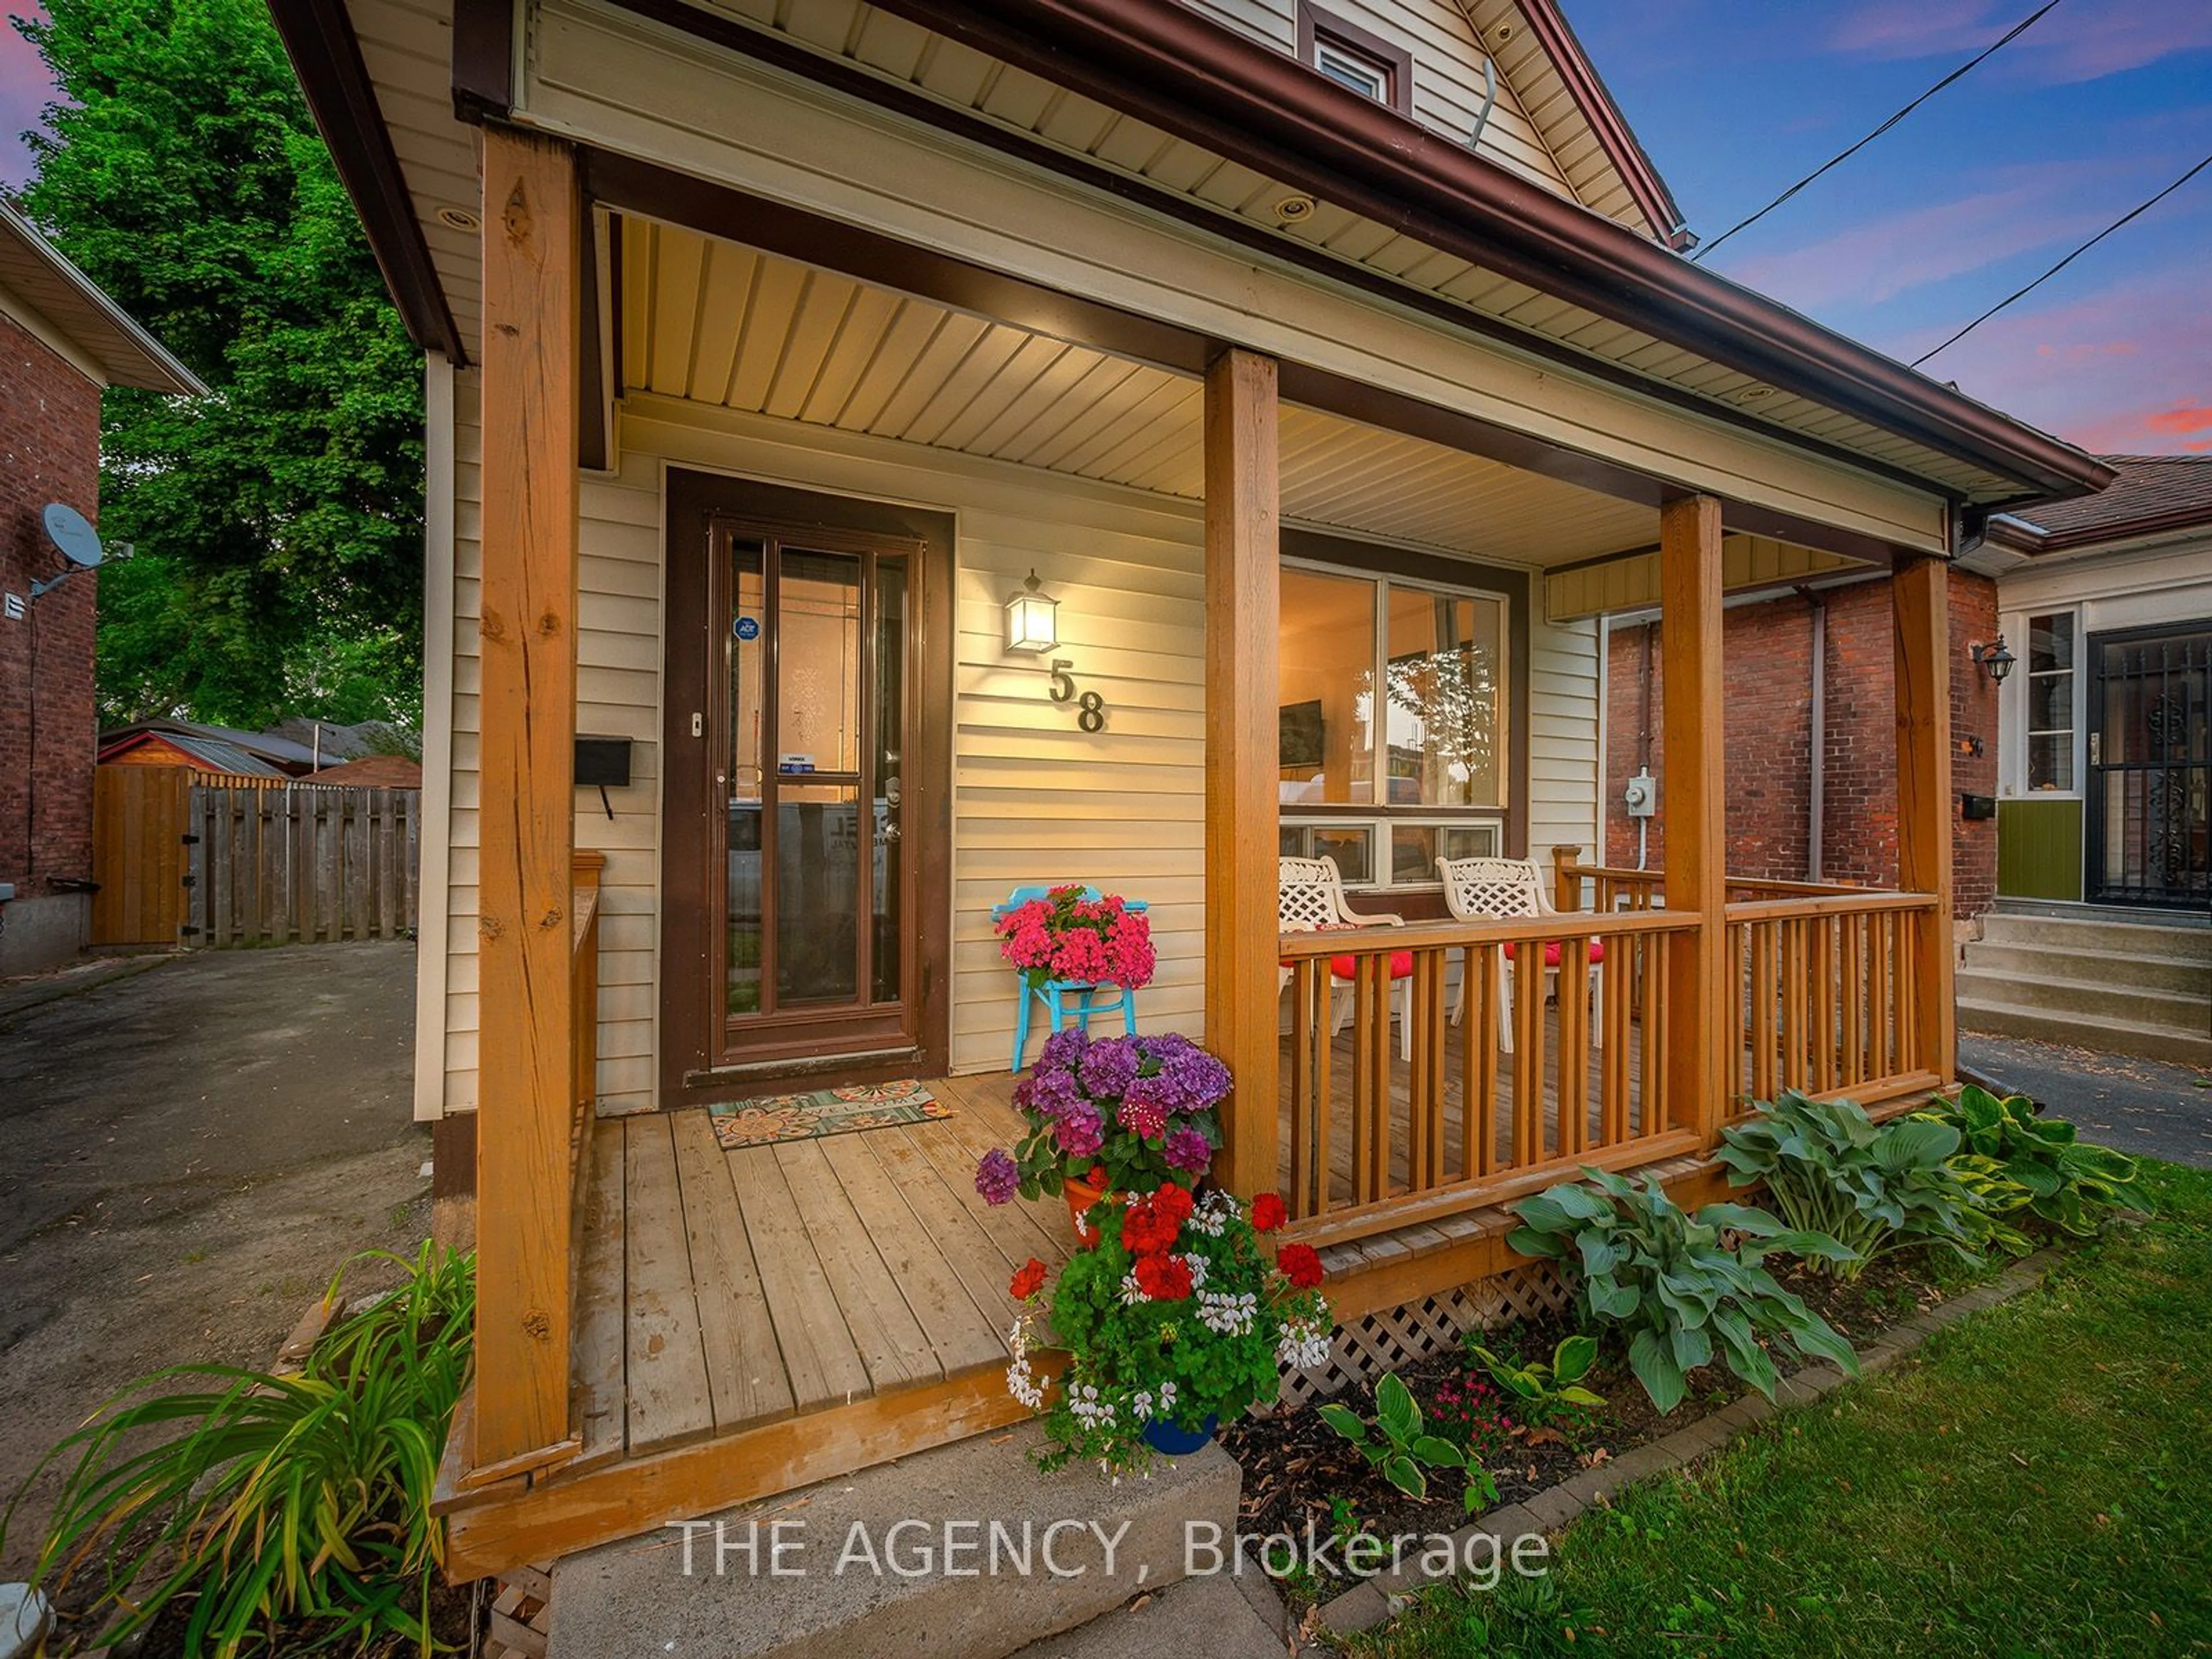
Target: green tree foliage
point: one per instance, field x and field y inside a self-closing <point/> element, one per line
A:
<point x="278" y="523"/>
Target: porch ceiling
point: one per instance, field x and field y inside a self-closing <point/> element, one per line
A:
<point x="720" y="323"/>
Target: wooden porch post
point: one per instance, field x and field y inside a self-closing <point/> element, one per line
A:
<point x="1697" y="812"/>
<point x="525" y="813"/>
<point x="1920" y="604"/>
<point x="1243" y="594"/>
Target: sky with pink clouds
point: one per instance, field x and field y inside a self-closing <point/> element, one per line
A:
<point x="2098" y="105"/>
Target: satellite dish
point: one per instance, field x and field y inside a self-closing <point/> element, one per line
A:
<point x="72" y="535"/>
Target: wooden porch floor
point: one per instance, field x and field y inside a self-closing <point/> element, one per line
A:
<point x="724" y="1291"/>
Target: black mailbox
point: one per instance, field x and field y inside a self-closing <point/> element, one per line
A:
<point x="604" y="762"/>
<point x="1978" y="806"/>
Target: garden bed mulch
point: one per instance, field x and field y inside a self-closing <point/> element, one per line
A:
<point x="1295" y="1466"/>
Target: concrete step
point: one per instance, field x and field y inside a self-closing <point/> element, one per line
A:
<point x="634" y="1599"/>
<point x="2178" y="943"/>
<point x="2175" y="976"/>
<point x="2082" y="994"/>
<point x="2100" y="1035"/>
<point x="1216" y="1617"/>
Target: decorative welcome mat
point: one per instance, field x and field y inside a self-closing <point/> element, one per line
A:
<point x="823" y="1112"/>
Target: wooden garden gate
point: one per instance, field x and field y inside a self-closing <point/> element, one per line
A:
<point x="139" y="853"/>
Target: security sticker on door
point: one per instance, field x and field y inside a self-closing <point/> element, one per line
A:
<point x="746" y="627"/>
<point x="795" y="763"/>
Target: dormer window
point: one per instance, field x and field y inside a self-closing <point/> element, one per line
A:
<point x="1353" y="57"/>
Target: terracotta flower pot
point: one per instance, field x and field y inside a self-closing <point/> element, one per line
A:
<point x="1080" y="1196"/>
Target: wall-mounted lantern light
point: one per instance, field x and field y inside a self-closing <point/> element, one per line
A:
<point x="1032" y="620"/>
<point x="1993" y="659"/>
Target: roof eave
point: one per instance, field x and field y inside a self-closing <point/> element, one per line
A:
<point x="127" y="354"/>
<point x="1172" y="66"/>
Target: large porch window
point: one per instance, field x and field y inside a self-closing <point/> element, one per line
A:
<point x="1393" y="722"/>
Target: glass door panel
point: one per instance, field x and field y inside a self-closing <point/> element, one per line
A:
<point x="815" y="710"/>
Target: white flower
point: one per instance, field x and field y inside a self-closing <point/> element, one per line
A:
<point x="1302" y="1346"/>
<point x="1196" y="1263"/>
<point x="1228" y="1313"/>
<point x="1131" y="1291"/>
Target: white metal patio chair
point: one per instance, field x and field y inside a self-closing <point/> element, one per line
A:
<point x="1309" y="896"/>
<point x="1492" y="890"/>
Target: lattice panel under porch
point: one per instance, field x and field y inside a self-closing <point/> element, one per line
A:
<point x="1376" y="1343"/>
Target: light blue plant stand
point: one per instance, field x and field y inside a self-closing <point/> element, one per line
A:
<point x="1089" y="996"/>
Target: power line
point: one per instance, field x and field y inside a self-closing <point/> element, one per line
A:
<point x="2133" y="213"/>
<point x="2005" y="39"/>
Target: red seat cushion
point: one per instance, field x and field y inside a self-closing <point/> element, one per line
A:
<point x="1402" y="963"/>
<point x="1552" y="951"/>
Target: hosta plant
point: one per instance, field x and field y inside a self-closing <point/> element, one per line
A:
<point x="2062" y="1180"/>
<point x="1683" y="1289"/>
<point x="1873" y="1187"/>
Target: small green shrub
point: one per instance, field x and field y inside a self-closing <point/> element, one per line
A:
<point x="1667" y="1280"/>
<point x="1400" y="1449"/>
<point x="1540" y="1393"/>
<point x="281" y="1514"/>
<point x="2062" y="1180"/>
<point x="1873" y="1187"/>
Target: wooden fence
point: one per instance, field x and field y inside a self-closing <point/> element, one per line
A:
<point x="302" y="865"/>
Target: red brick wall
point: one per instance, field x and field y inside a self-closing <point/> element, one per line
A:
<point x="48" y="451"/>
<point x="1767" y="651"/>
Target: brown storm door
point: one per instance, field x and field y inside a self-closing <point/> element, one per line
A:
<point x="807" y="910"/>
<point x="807" y="749"/>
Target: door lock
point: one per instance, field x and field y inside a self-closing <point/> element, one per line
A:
<point x="698" y="725"/>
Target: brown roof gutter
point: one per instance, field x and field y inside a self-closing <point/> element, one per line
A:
<point x="2029" y="538"/>
<point x="1614" y="136"/>
<point x="1240" y="98"/>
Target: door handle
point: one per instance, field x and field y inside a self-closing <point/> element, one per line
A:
<point x="2096" y="747"/>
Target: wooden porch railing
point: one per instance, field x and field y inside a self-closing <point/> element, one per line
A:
<point x="1824" y="995"/>
<point x="1371" y="1138"/>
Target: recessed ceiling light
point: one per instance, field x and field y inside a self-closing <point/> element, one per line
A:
<point x="1504" y="33"/>
<point x="1296" y="210"/>
<point x="1751" y="394"/>
<point x="458" y="218"/>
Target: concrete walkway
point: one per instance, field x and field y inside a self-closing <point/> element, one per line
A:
<point x="187" y="1153"/>
<point x="2144" y="1106"/>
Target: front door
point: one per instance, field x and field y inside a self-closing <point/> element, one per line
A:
<point x="2149" y="802"/>
<point x="802" y="928"/>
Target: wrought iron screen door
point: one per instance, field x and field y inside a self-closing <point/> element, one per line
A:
<point x="2151" y="768"/>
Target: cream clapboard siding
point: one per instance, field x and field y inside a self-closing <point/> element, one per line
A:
<point x="1563" y="736"/>
<point x="618" y="654"/>
<point x="1035" y="799"/>
<point x="1447" y="70"/>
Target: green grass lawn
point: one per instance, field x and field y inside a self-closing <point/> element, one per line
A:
<point x="2035" y="1480"/>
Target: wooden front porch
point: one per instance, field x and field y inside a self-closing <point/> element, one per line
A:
<point x="722" y="1290"/>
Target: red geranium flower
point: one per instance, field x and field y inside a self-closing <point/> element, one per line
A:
<point x="1174" y="1201"/>
<point x="1029" y="1277"/>
<point x="1163" y="1278"/>
<point x="1299" y="1265"/>
<point x="1151" y="1226"/>
<point x="1267" y="1212"/>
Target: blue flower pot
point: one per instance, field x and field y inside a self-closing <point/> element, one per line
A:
<point x="1173" y="1440"/>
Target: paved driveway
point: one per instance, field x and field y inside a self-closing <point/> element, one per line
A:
<point x="2144" y="1106"/>
<point x="187" y="1155"/>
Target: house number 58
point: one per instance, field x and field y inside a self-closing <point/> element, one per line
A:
<point x="1091" y="708"/>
